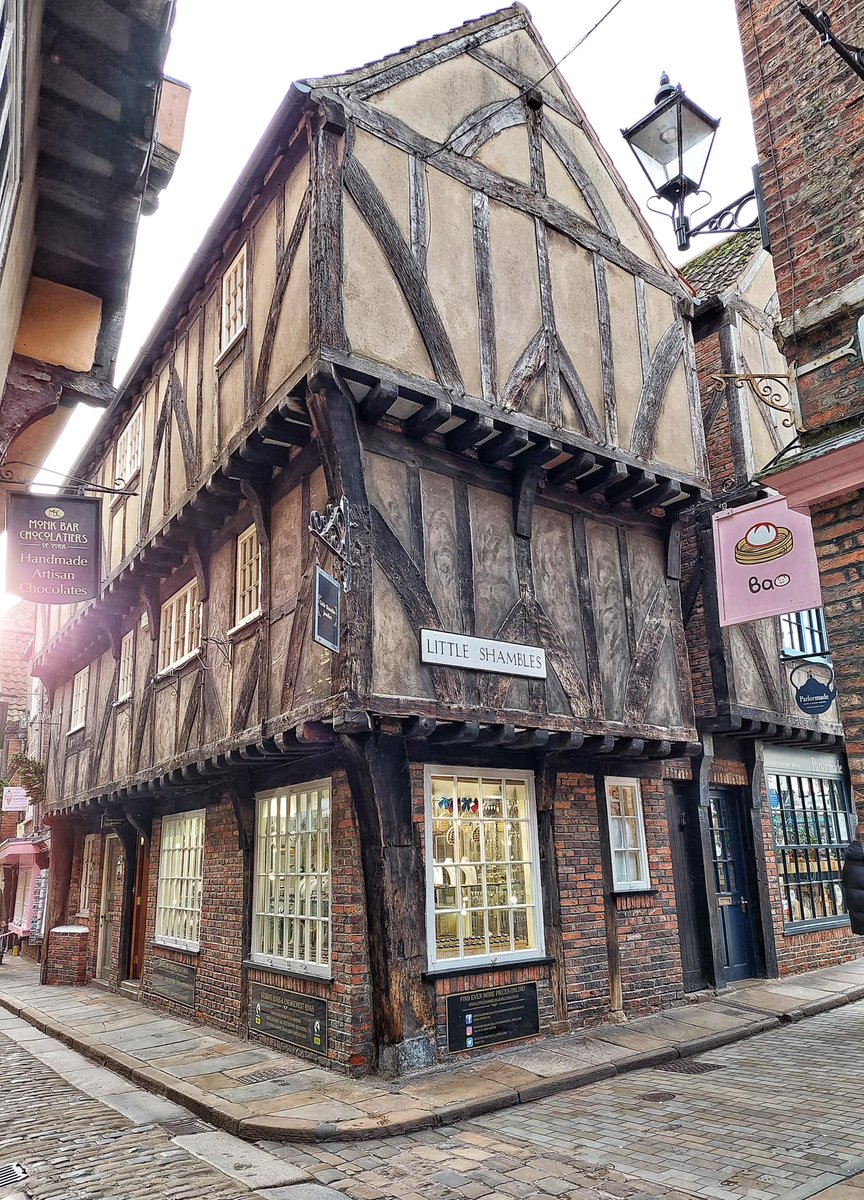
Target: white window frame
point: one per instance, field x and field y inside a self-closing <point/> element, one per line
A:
<point x="87" y="875"/>
<point x="181" y="879"/>
<point x="11" y="103"/>
<point x="292" y="797"/>
<point x="21" y="914"/>
<point x="78" y="708"/>
<point x="247" y="578"/>
<point x="625" y="885"/>
<point x="234" y="301"/>
<point x="129" y="450"/>
<point x="510" y="956"/>
<point x="179" y="627"/>
<point x="126" y="672"/>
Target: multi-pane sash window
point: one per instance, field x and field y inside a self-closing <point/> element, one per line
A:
<point x="291" y="924"/>
<point x="11" y="47"/>
<point x="482" y="868"/>
<point x="87" y="872"/>
<point x="803" y="633"/>
<point x="179" y="626"/>
<point x="627" y="835"/>
<point x="127" y="455"/>
<point x="127" y="663"/>
<point x="248" y="590"/>
<point x="813" y="822"/>
<point x="78" y="714"/>
<point x="181" y="880"/>
<point x="22" y="896"/>
<point x="234" y="300"/>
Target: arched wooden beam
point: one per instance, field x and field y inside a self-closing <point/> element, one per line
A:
<point x="663" y="363"/>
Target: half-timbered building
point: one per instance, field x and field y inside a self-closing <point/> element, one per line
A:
<point x="757" y="844"/>
<point x="430" y="303"/>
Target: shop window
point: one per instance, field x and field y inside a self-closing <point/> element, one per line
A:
<point x="482" y="867"/>
<point x="129" y="449"/>
<point x="179" y="627"/>
<point x="248" y="583"/>
<point x="21" y="914"/>
<point x="813" y="822"/>
<point x="87" y="874"/>
<point x="803" y="634"/>
<point x="181" y="880"/>
<point x="291" y="903"/>
<point x="127" y="663"/>
<point x="233" y="301"/>
<point x="627" y="835"/>
<point x="78" y="714"/>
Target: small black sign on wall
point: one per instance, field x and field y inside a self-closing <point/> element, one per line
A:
<point x="173" y="981"/>
<point x="328" y="595"/>
<point x="492" y="1016"/>
<point x="291" y="1017"/>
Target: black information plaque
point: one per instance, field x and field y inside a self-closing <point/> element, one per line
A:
<point x="492" y="1016"/>
<point x="328" y="594"/>
<point x="289" y="1016"/>
<point x="173" y="980"/>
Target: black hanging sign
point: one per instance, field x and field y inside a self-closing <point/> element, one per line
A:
<point x="52" y="548"/>
<point x="327" y="604"/>
<point x="814" y="696"/>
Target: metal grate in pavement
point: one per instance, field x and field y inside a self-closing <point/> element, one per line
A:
<point x="658" y="1097"/>
<point x="11" y="1173"/>
<point x="689" y="1066"/>
<point x="268" y="1075"/>
<point x="185" y="1125"/>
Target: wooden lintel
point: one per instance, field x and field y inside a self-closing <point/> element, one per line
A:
<point x="580" y="463"/>
<point x="380" y="398"/>
<point x="531" y="739"/>
<point x="456" y="733"/>
<point x="659" y="495"/>
<point x="639" y="481"/>
<point x="431" y="417"/>
<point x="599" y="481"/>
<point x="475" y="428"/>
<point x="508" y="441"/>
<point x="497" y="735"/>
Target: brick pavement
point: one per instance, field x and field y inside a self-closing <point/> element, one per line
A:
<point x="254" y="1091"/>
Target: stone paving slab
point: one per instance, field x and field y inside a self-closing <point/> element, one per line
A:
<point x="215" y="1075"/>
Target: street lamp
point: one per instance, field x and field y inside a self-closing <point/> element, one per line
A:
<point x="672" y="145"/>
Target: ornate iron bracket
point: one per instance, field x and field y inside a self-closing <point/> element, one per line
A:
<point x="762" y="389"/>
<point x="853" y="56"/>
<point x="72" y="484"/>
<point x="333" y="529"/>
<point x="728" y="219"/>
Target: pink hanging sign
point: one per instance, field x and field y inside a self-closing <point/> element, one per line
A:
<point x="765" y="560"/>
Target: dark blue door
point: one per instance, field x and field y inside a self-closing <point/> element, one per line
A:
<point x="731" y="881"/>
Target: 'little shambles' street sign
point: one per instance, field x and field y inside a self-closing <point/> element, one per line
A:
<point x="481" y="654"/>
<point x="52" y="548"/>
<point x="765" y="560"/>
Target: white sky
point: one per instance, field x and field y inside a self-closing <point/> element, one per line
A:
<point x="240" y="60"/>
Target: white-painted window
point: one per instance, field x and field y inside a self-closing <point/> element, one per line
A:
<point x="11" y="81"/>
<point x="21" y="914"/>
<point x="627" y="835"/>
<point x="291" y="921"/>
<point x="482" y="867"/>
<point x="179" y="626"/>
<point x="248" y="585"/>
<point x="87" y="874"/>
<point x="181" y="880"/>
<point x="127" y="665"/>
<point x="234" y="300"/>
<point x="80" y="687"/>
<point x="129" y="449"/>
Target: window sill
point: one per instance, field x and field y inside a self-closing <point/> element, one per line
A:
<point x="243" y="625"/>
<point x="75" y="728"/>
<point x="230" y="352"/>
<point x="321" y="975"/>
<point x="814" y="926"/>
<point x="121" y="700"/>
<point x="441" y="972"/>
<point x="636" y="891"/>
<point x="166" y="672"/>
<point x="187" y="948"/>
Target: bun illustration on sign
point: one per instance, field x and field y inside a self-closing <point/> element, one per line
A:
<point x="762" y="543"/>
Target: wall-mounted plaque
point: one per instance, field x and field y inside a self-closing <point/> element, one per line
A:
<point x="492" y="1016"/>
<point x="52" y="549"/>
<point x="289" y="1016"/>
<point x="328" y="594"/>
<point x="481" y="654"/>
<point x="173" y="980"/>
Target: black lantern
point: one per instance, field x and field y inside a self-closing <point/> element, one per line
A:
<point x="672" y="145"/>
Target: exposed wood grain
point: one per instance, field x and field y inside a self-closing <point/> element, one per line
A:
<point x="406" y="270"/>
<point x="470" y="433"/>
<point x="525" y="483"/>
<point x="763" y="667"/>
<point x="196" y="696"/>
<point x="184" y="428"/>
<point x="107" y="713"/>
<point x="327" y="325"/>
<point x="464" y="557"/>
<point x="663" y="364"/>
<point x="525" y="371"/>
<point x="718" y="398"/>
<point x="523" y="82"/>
<point x="485" y="298"/>
<point x="642" y="326"/>
<point x="690" y="590"/>
<point x="417" y="209"/>
<point x="380" y="398"/>
<point x="215" y="714"/>
<point x="484" y="123"/>
<point x="584" y="407"/>
<point x="594" y="681"/>
<point x="199" y="396"/>
<point x="158" y="438"/>
<point x="251" y="680"/>
<point x="651" y="636"/>
<point x="691" y="378"/>
<point x="415" y="518"/>
<point x="627" y="588"/>
<point x="297" y="638"/>
<point x="607" y="353"/>
<point x="547" y="307"/>
<point x="580" y="177"/>
<point x="431" y="417"/>
<point x="284" y="266"/>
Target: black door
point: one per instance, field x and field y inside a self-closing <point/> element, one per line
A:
<point x="688" y="869"/>
<point x="731" y="880"/>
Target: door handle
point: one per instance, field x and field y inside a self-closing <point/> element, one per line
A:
<point x="745" y="905"/>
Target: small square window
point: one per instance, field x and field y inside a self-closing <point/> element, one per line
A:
<point x="233" y="301"/>
<point x="248" y="585"/>
<point x="627" y="835"/>
<point x="78" y="714"/>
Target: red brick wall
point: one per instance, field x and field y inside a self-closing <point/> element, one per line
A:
<point x="67" y="958"/>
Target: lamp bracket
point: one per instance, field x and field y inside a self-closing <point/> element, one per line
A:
<point x="729" y="219"/>
<point x="853" y="56"/>
<point x="766" y="389"/>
